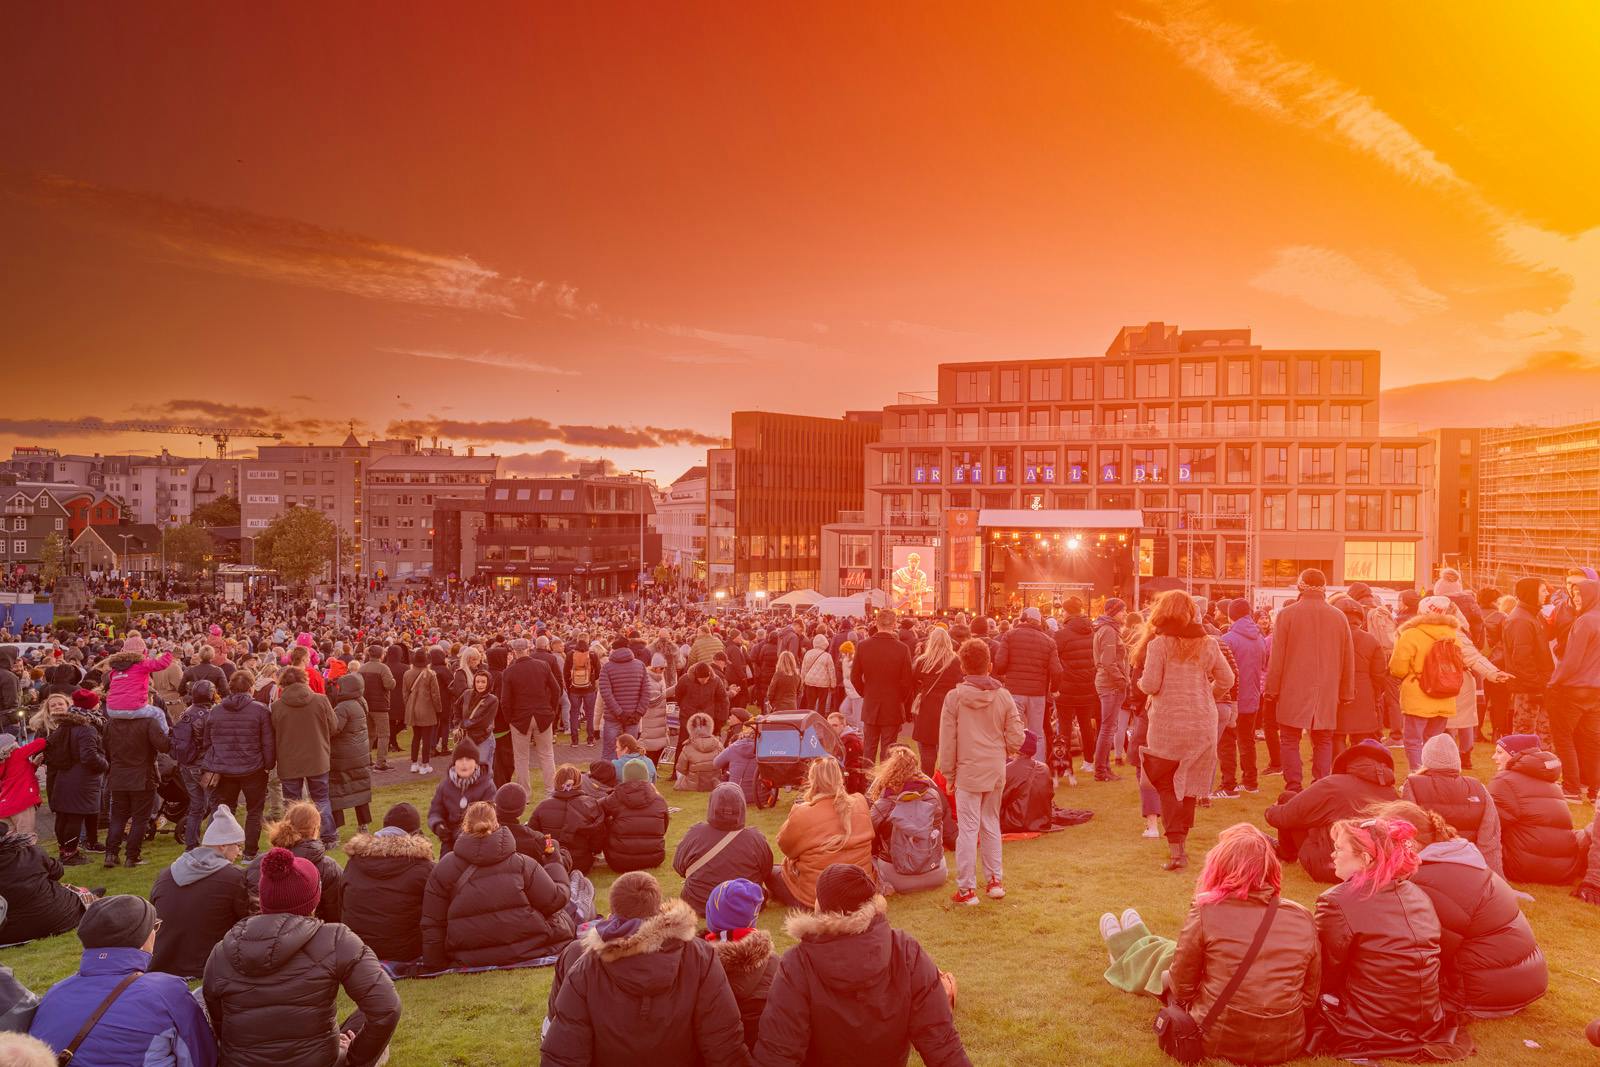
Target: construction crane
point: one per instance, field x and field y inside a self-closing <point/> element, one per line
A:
<point x="220" y="434"/>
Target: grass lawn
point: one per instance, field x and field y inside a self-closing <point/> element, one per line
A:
<point x="1029" y="967"/>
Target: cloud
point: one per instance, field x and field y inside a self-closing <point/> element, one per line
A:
<point x="213" y="409"/>
<point x="550" y="461"/>
<point x="532" y="429"/>
<point x="1549" y="387"/>
<point x="1331" y="280"/>
<point x="485" y="358"/>
<point x="707" y="360"/>
<point x="247" y="425"/>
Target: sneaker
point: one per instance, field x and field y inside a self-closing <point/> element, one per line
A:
<point x="1109" y="926"/>
<point x="135" y="861"/>
<point x="1130" y="919"/>
<point x="93" y="846"/>
<point x="416" y="768"/>
<point x="1249" y="789"/>
<point x="380" y="766"/>
<point x="111" y="860"/>
<point x="1107" y="776"/>
<point x="1088" y="768"/>
<point x="996" y="890"/>
<point x="1225" y="794"/>
<point x="1272" y="771"/>
<point x="1151" y="832"/>
<point x="965" y="896"/>
<point x="73" y="859"/>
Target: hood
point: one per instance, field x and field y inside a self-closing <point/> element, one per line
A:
<point x="1456" y="850"/>
<point x="849" y="951"/>
<point x="488" y="850"/>
<point x="636" y="794"/>
<point x="1246" y="627"/>
<point x="1527" y="590"/>
<point x="389" y="846"/>
<point x="263" y="944"/>
<point x="350" y="686"/>
<point x="976" y="693"/>
<point x="196" y="864"/>
<point x="237" y="701"/>
<point x="1078" y="624"/>
<point x="636" y="961"/>
<point x="1112" y="621"/>
<point x="1434" y="625"/>
<point x="297" y="695"/>
<point x="1589" y="590"/>
<point x="436" y="657"/>
<point x="621" y="655"/>
<point x="311" y="849"/>
<point x="123" y="660"/>
<point x="725" y="809"/>
<point x="1371" y="762"/>
<point x="739" y="958"/>
<point x="1536" y="763"/>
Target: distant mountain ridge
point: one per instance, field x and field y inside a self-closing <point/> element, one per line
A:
<point x="1554" y="388"/>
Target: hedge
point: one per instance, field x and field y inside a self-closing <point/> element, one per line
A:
<point x="113" y="606"/>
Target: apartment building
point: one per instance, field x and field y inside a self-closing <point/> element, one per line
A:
<point x="29" y="513"/>
<point x="681" y="521"/>
<point x="1456" y="491"/>
<point x="1244" y="465"/>
<point x="1538" y="508"/>
<point x="400" y="495"/>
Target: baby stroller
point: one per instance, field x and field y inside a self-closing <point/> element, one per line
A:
<point x="172" y="799"/>
<point x="786" y="743"/>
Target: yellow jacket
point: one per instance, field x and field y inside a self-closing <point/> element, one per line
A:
<point x="1415" y="637"/>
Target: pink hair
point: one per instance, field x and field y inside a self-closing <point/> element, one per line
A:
<point x="1241" y="863"/>
<point x="1383" y="841"/>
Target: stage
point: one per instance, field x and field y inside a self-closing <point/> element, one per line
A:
<point x="1039" y="558"/>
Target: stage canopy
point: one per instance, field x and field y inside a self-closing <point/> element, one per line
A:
<point x="800" y="598"/>
<point x="1059" y="519"/>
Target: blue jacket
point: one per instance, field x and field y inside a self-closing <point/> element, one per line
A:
<point x="739" y="760"/>
<point x="623" y="687"/>
<point x="154" y="1023"/>
<point x="1249" y="650"/>
<point x="239" y="737"/>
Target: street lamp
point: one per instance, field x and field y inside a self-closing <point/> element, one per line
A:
<point x="123" y="562"/>
<point x="641" y="472"/>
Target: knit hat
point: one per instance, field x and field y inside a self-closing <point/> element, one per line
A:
<point x="1516" y="744"/>
<point x="403" y="817"/>
<point x="1449" y="582"/>
<point x="1030" y="615"/>
<point x="85" y="699"/>
<point x="1527" y="590"/>
<point x="1238" y="609"/>
<point x="122" y="921"/>
<point x="1358" y="590"/>
<point x="635" y="770"/>
<point x="1436" y="605"/>
<point x="464" y="749"/>
<point x="288" y="884"/>
<point x="733" y="905"/>
<point x="843" y="887"/>
<point x="1410" y="598"/>
<point x="658" y="661"/>
<point x="1440" y="753"/>
<point x="1115" y="606"/>
<point x="215" y="630"/>
<point x="603" y="772"/>
<point x="1030" y="744"/>
<point x="224" y="828"/>
<point x="636" y="895"/>
<point x="509" y="802"/>
<point x="134" y="643"/>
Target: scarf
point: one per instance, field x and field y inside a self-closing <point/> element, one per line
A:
<point x="462" y="783"/>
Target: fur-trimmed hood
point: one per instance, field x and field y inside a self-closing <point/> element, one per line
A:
<point x="1430" y="619"/>
<point x="745" y="956"/>
<point x="849" y="952"/>
<point x="389" y="846"/>
<point x="823" y="925"/>
<point x="674" y="922"/>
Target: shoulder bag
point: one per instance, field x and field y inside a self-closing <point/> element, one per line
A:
<point x="1177" y="1032"/>
<point x="66" y="1054"/>
<point x="711" y="853"/>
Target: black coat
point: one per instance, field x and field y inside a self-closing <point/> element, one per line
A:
<point x="1305" y="820"/>
<point x="507" y="910"/>
<point x="1028" y="663"/>
<point x="239" y="737"/>
<point x="932" y="688"/>
<point x="349" y="754"/>
<point x="1075" y="649"/>
<point x="655" y="996"/>
<point x="131" y="747"/>
<point x="384" y="878"/>
<point x="195" y="917"/>
<point x="750" y="964"/>
<point x="331" y="906"/>
<point x="377" y="694"/>
<point x="78" y="790"/>
<point x="1537" y="841"/>
<point x="529" y="694"/>
<point x="450" y="803"/>
<point x="747" y="856"/>
<point x="38" y="905"/>
<point x="636" y="827"/>
<point x="203" y="672"/>
<point x="272" y="991"/>
<point x="856" y="990"/>
<point x="575" y="819"/>
<point x="882" y="675"/>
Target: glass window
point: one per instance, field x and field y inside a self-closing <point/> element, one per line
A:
<point x="1307" y="377"/>
<point x="1274" y="419"/>
<point x="1308" y="417"/>
<point x="967" y="426"/>
<point x="1316" y="511"/>
<point x="1232" y="419"/>
<point x="1274" y="511"/>
<point x="1077" y="464"/>
<point x="1121" y="416"/>
<point x="1398" y="465"/>
<point x="1082" y="381"/>
<point x="855" y="550"/>
<point x="1275" y="463"/>
<point x="1345" y="419"/>
<point x="893" y="467"/>
<point x="1198" y="378"/>
<point x="1403" y="513"/>
<point x="1041" y="424"/>
<point x="1347" y="377"/>
<point x="1316" y="466"/>
<point x="1157" y="417"/>
<point x="1240" y="466"/>
<point x="1380" y="561"/>
<point x="1230" y="504"/>
<point x="1044" y="383"/>
<point x="1150" y="464"/>
<point x="544" y="494"/>
<point x="1010" y="385"/>
<point x="1038" y="465"/>
<point x="1357" y="465"/>
<point x="1363" y="511"/>
<point x="1110" y="466"/>
<point x="972" y="386"/>
<point x="1238" y="377"/>
<point x="1197" y="464"/>
<point x="1274" y="377"/>
<point x="1116" y="383"/>
<point x="567" y="494"/>
<point x="1152" y="380"/>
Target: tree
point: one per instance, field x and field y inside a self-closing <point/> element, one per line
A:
<point x="223" y="511"/>
<point x="299" y="543"/>
<point x="188" y="546"/>
<point x="51" y="553"/>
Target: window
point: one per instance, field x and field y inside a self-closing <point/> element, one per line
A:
<point x="1152" y="380"/>
<point x="1040" y="424"/>
<point x="19" y="548"/>
<point x="61" y="524"/>
<point x="965" y="467"/>
<point x="1150" y="464"/>
<point x="291" y="478"/>
<point x="1380" y="561"/>
<point x="925" y="468"/>
<point x="1191" y="419"/>
<point x="516" y="553"/>
<point x="1077" y="465"/>
<point x="1235" y="560"/>
<point x="1198" y="378"/>
<point x="1232" y="419"/>
<point x="1403" y="513"/>
<point x="1274" y="419"/>
<point x="1316" y="511"/>
<point x="1116" y="383"/>
<point x="1010" y="385"/>
<point x="1230" y="503"/>
<point x="1307" y="377"/>
<point x="1316" y="466"/>
<point x="1398" y="466"/>
<point x="1357" y="465"/>
<point x="855" y="550"/>
<point x="1197" y="464"/>
<point x="1274" y="377"/>
<point x="1157" y="417"/>
<point x="1347" y="377"/>
<point x="1120" y="416"/>
<point x="1345" y="419"/>
<point x="893" y="467"/>
<point x="1240" y="467"/>
<point x="1275" y="464"/>
<point x="1238" y="377"/>
<point x="1038" y="465"/>
<point x="1044" y="384"/>
<point x="1082" y="382"/>
<point x="327" y="477"/>
<point x="1308" y="418"/>
<point x="1274" y="511"/>
<point x="967" y="426"/>
<point x="1289" y="569"/>
<point x="502" y="493"/>
<point x="567" y="494"/>
<point x="1110" y="466"/>
<point x="1363" y="512"/>
<point x="1003" y="425"/>
<point x="972" y="386"/>
<point x="1004" y="460"/>
<point x="327" y="503"/>
<point x="545" y="494"/>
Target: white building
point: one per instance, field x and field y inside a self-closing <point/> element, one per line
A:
<point x="681" y="521"/>
<point x="401" y="491"/>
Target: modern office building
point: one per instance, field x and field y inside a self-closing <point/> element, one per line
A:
<point x="579" y="534"/>
<point x="1187" y="458"/>
<point x="1538" y="502"/>
<point x="399" y="498"/>
<point x="1456" y="493"/>
<point x="771" y="492"/>
<point x="681" y="521"/>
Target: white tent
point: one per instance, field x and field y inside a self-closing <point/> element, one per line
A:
<point x="800" y="598"/>
<point x="858" y="606"/>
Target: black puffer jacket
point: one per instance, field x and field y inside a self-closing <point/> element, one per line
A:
<point x="131" y="747"/>
<point x="855" y="990"/>
<point x="272" y="991"/>
<point x="384" y="878"/>
<point x="636" y="827"/>
<point x="1537" y="841"/>
<point x="239" y="737"/>
<point x="1075" y="647"/>
<point x="507" y="910"/>
<point x="38" y="905"/>
<point x="1027" y="662"/>
<point x="331" y="906"/>
<point x="747" y="856"/>
<point x="577" y="820"/>
<point x="78" y="789"/>
<point x="1464" y="803"/>
<point x="1363" y="775"/>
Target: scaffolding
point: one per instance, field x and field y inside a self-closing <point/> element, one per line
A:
<point x="1538" y="502"/>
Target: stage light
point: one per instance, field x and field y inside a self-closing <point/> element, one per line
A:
<point x="1123" y="538"/>
<point x="1074" y="542"/>
<point x="1038" y="536"/>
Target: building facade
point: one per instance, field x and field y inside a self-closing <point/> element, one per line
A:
<point x="1247" y="465"/>
<point x="580" y="535"/>
<point x="399" y="498"/>
<point x="329" y="478"/>
<point x="1538" y="508"/>
<point x="771" y="492"/>
<point x="30" y="513"/>
<point x="1456" y="491"/>
<point x="681" y="521"/>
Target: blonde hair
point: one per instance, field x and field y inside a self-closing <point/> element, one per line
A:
<point x="480" y="819"/>
<point x="826" y="780"/>
<point x="938" y="652"/>
<point x="1176" y="609"/>
<point x="301" y="822"/>
<point x="630" y="744"/>
<point x="897" y="767"/>
<point x="1429" y="824"/>
<point x="787" y="665"/>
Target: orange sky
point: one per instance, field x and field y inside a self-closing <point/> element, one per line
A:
<point x="592" y="232"/>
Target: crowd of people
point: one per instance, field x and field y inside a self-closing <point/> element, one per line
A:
<point x="950" y="732"/>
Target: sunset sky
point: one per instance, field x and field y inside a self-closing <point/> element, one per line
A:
<point x="567" y="233"/>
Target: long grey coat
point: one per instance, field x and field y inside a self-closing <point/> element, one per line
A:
<point x="1311" y="670"/>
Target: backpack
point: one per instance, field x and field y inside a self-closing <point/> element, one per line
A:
<point x="1443" y="670"/>
<point x="58" y="749"/>
<point x="188" y="736"/>
<point x="582" y="670"/>
<point x="916" y="845"/>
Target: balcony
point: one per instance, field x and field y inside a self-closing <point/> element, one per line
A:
<point x="490" y="536"/>
<point x="1287" y="429"/>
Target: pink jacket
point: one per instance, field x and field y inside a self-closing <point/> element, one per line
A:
<point x="130" y="689"/>
<point x="19" y="785"/>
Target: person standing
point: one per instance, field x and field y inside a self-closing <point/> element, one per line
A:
<point x="131" y="747"/>
<point x="241" y="749"/>
<point x="979" y="730"/>
<point x="1077" y="699"/>
<point x="1249" y="649"/>
<point x="582" y="674"/>
<point x="1574" y="697"/>
<point x="882" y="674"/>
<point x="377" y="682"/>
<point x="1423" y="713"/>
<point x="625" y="691"/>
<point x="350" y="754"/>
<point x="303" y="724"/>
<point x="938" y="671"/>
<point x="1111" y="680"/>
<point x="1027" y="662"/>
<point x="1528" y="661"/>
<point x="1310" y="671"/>
<point x="423" y="698"/>
<point x="531" y="698"/>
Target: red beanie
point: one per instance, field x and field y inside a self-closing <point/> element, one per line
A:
<point x="288" y="884"/>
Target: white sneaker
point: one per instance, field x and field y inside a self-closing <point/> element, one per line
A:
<point x="1109" y="926"/>
<point x="416" y="768"/>
<point x="1150" y="831"/>
<point x="1130" y="919"/>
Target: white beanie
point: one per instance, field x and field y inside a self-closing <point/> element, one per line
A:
<point x="224" y="829"/>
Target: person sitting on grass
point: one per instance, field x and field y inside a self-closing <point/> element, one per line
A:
<point x="1363" y="775"/>
<point x="1027" y="804"/>
<point x="738" y="760"/>
<point x="855" y="990"/>
<point x="636" y="821"/>
<point x="640" y="988"/>
<point x="466" y="783"/>
<point x="720" y="849"/>
<point x="39" y="904"/>
<point x="153" y="1020"/>
<point x="200" y="897"/>
<point x="272" y="985"/>
<point x="384" y="879"/>
<point x="601" y="779"/>
<point x="510" y="801"/>
<point x="1459" y="799"/>
<point x="1265" y="1020"/>
<point x="487" y="905"/>
<point x="631" y="750"/>
<point x="297" y="832"/>
<point x="576" y="819"/>
<point x="696" y="767"/>
<point x="1492" y="966"/>
<point x="826" y="826"/>
<point x="908" y="825"/>
<point x="746" y="954"/>
<point x="1537" y="839"/>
